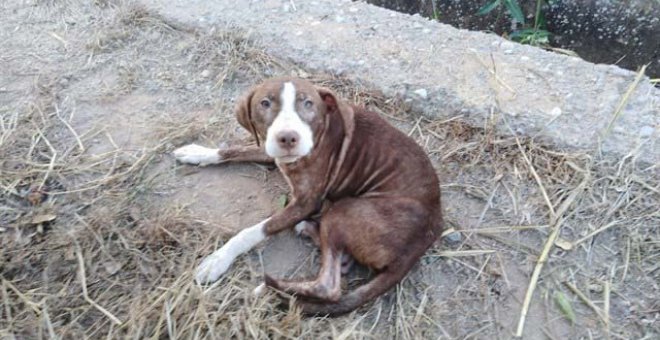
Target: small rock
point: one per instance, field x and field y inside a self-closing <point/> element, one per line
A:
<point x="64" y="82"/>
<point x="426" y="31"/>
<point x="417" y="25"/>
<point x="595" y="287"/>
<point x="453" y="237"/>
<point x="422" y="93"/>
<point x="339" y="19"/>
<point x="646" y="131"/>
<point x="555" y="112"/>
<point x="112" y="267"/>
<point x="205" y="73"/>
<point x="353" y="9"/>
<point x="508" y="51"/>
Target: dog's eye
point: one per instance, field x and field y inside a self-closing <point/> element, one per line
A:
<point x="265" y="103"/>
<point x="308" y="104"/>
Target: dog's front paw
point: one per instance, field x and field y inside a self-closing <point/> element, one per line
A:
<point x="211" y="268"/>
<point x="197" y="154"/>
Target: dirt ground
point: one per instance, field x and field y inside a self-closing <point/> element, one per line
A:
<point x="100" y="229"/>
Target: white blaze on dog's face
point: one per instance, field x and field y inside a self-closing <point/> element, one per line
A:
<point x="287" y="115"/>
<point x="289" y="137"/>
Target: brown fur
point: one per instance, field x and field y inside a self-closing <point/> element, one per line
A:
<point x="380" y="192"/>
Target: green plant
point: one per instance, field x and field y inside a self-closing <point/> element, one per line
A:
<point x="436" y="12"/>
<point x="535" y="35"/>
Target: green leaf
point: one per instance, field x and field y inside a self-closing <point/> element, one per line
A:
<point x="514" y="10"/>
<point x="565" y="306"/>
<point x="489" y="7"/>
<point x="530" y="36"/>
<point x="282" y="201"/>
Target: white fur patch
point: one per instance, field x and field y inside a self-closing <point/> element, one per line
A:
<point x="300" y="227"/>
<point x="217" y="263"/>
<point x="288" y="119"/>
<point x="197" y="154"/>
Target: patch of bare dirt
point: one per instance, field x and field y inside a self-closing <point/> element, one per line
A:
<point x="100" y="229"/>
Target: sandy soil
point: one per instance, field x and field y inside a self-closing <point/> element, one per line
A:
<point x="100" y="228"/>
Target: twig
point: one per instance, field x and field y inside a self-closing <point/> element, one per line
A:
<point x="73" y="132"/>
<point x="556" y="222"/>
<point x="60" y="39"/>
<point x="586" y="300"/>
<point x="497" y="230"/>
<point x="493" y="72"/>
<point x="51" y="165"/>
<point x="32" y="304"/>
<point x="595" y="232"/>
<point x="463" y="253"/>
<point x="606" y="306"/>
<point x="626" y="262"/>
<point x="624" y="99"/>
<point x="83" y="282"/>
<point x="49" y="324"/>
<point x="553" y="214"/>
<point x="293" y="5"/>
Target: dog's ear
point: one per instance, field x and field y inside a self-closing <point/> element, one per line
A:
<point x="244" y="114"/>
<point x="334" y="105"/>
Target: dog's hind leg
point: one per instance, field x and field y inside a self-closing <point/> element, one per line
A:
<point x="326" y="286"/>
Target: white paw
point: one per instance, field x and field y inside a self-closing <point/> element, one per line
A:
<point x="260" y="290"/>
<point x="300" y="227"/>
<point x="212" y="267"/>
<point x="197" y="154"/>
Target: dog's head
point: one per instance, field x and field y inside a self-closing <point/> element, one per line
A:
<point x="289" y="115"/>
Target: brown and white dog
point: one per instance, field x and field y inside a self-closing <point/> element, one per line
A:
<point x="374" y="188"/>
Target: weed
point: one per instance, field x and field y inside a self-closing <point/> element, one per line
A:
<point x="535" y="35"/>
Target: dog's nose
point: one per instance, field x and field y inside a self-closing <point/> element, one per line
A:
<point x="288" y="139"/>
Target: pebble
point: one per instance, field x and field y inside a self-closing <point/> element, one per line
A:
<point x="646" y="131"/>
<point x="453" y="238"/>
<point x="594" y="287"/>
<point x="422" y="93"/>
<point x="205" y="73"/>
<point x="555" y="112"/>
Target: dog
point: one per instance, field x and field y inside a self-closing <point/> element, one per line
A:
<point x="375" y="190"/>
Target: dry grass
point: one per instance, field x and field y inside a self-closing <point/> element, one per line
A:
<point x="91" y="246"/>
